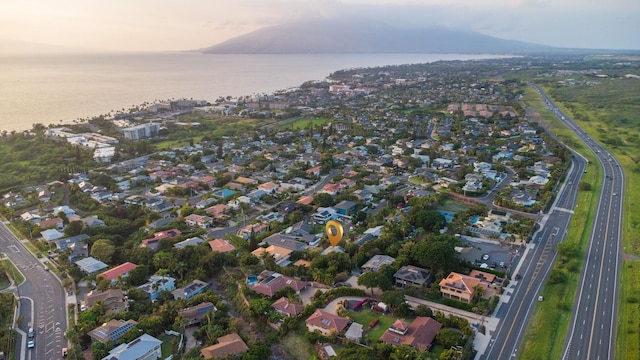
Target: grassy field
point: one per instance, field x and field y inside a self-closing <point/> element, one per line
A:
<point x="547" y="330"/>
<point x="301" y="123"/>
<point x="296" y="346"/>
<point x="629" y="313"/>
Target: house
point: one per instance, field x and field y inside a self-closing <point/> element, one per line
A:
<point x="51" y="223"/>
<point x="195" y="314"/>
<point x="118" y="271"/>
<point x="51" y="234"/>
<point x="154" y="242"/>
<point x="111" y="331"/>
<point x="273" y="281"/>
<point x="218" y="210"/>
<point x="286" y="307"/>
<point x="201" y="221"/>
<point x="63" y="244"/>
<point x="90" y="265"/>
<point x="145" y="347"/>
<point x="288" y="241"/>
<point x="326" y="323"/>
<point x="156" y="285"/>
<point x="410" y="275"/>
<point x="221" y="245"/>
<point x="268" y="187"/>
<point x="252" y="230"/>
<point x="345" y="208"/>
<point x="460" y="287"/>
<point x="279" y="254"/>
<point x="194" y="241"/>
<point x="377" y="262"/>
<point x="324" y="214"/>
<point x="92" y="221"/>
<point x="227" y="346"/>
<point x="113" y="300"/>
<point x="194" y="288"/>
<point x="419" y="334"/>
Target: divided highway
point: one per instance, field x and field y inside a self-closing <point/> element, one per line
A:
<point x="592" y="329"/>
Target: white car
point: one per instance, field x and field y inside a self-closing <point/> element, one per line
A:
<point x="485" y="257"/>
<point x="31" y="344"/>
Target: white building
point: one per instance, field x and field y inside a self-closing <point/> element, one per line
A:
<point x="141" y="131"/>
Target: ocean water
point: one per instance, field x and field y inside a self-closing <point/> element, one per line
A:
<point x="58" y="89"/>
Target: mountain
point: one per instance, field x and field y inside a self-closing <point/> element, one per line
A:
<point x="344" y="37"/>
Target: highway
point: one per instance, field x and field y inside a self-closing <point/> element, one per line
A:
<point x="42" y="302"/>
<point x="534" y="269"/>
<point x="592" y="329"/>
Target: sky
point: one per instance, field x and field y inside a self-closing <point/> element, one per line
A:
<point x="168" y="25"/>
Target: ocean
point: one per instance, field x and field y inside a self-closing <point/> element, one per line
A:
<point x="58" y="89"/>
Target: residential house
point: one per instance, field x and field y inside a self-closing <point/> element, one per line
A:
<point x="345" y="208"/>
<point x="289" y="242"/>
<point x="90" y="265"/>
<point x="63" y="244"/>
<point x="92" y="221"/>
<point x="419" y="334"/>
<point x="269" y="187"/>
<point x="111" y="331"/>
<point x="460" y="287"/>
<point x="324" y="214"/>
<point x="286" y="307"/>
<point x="51" y="223"/>
<point x="272" y="282"/>
<point x="120" y="271"/>
<point x="218" y="211"/>
<point x="201" y="221"/>
<point x="113" y="299"/>
<point x="156" y="285"/>
<point x="195" y="314"/>
<point x="326" y="323"/>
<point x="194" y="288"/>
<point x="228" y="345"/>
<point x="376" y="262"/>
<point x="145" y="347"/>
<point x="410" y="275"/>
<point x="51" y="234"/>
<point x="154" y="242"/>
<point x="221" y="245"/>
<point x="194" y="241"/>
<point x="252" y="230"/>
<point x="279" y="254"/>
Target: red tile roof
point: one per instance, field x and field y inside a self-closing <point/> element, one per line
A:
<point x="119" y="270"/>
<point x="419" y="335"/>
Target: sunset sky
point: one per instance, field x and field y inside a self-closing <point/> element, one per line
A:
<point x="158" y="25"/>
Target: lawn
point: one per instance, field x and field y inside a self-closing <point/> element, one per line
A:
<point x="365" y="316"/>
<point x="302" y="123"/>
<point x="629" y="313"/>
<point x="167" y="344"/>
<point x="296" y="346"/>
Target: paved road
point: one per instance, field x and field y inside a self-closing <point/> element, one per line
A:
<point x="592" y="330"/>
<point x="42" y="302"/>
<point x="534" y="269"/>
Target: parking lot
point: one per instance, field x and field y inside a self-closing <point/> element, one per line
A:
<point x="482" y="251"/>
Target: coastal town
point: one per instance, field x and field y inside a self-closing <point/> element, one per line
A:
<point x="200" y="230"/>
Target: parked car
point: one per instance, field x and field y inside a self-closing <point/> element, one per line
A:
<point x="485" y="257"/>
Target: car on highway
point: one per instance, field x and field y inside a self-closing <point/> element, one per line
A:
<point x="31" y="344"/>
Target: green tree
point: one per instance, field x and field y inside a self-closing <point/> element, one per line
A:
<point x="448" y="337"/>
<point x="103" y="250"/>
<point x="74" y="228"/>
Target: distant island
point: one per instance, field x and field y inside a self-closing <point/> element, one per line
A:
<point x="362" y="37"/>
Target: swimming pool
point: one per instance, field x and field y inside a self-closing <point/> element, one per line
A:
<point x="252" y="280"/>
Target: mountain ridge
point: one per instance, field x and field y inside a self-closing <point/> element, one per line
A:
<point x="335" y="37"/>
